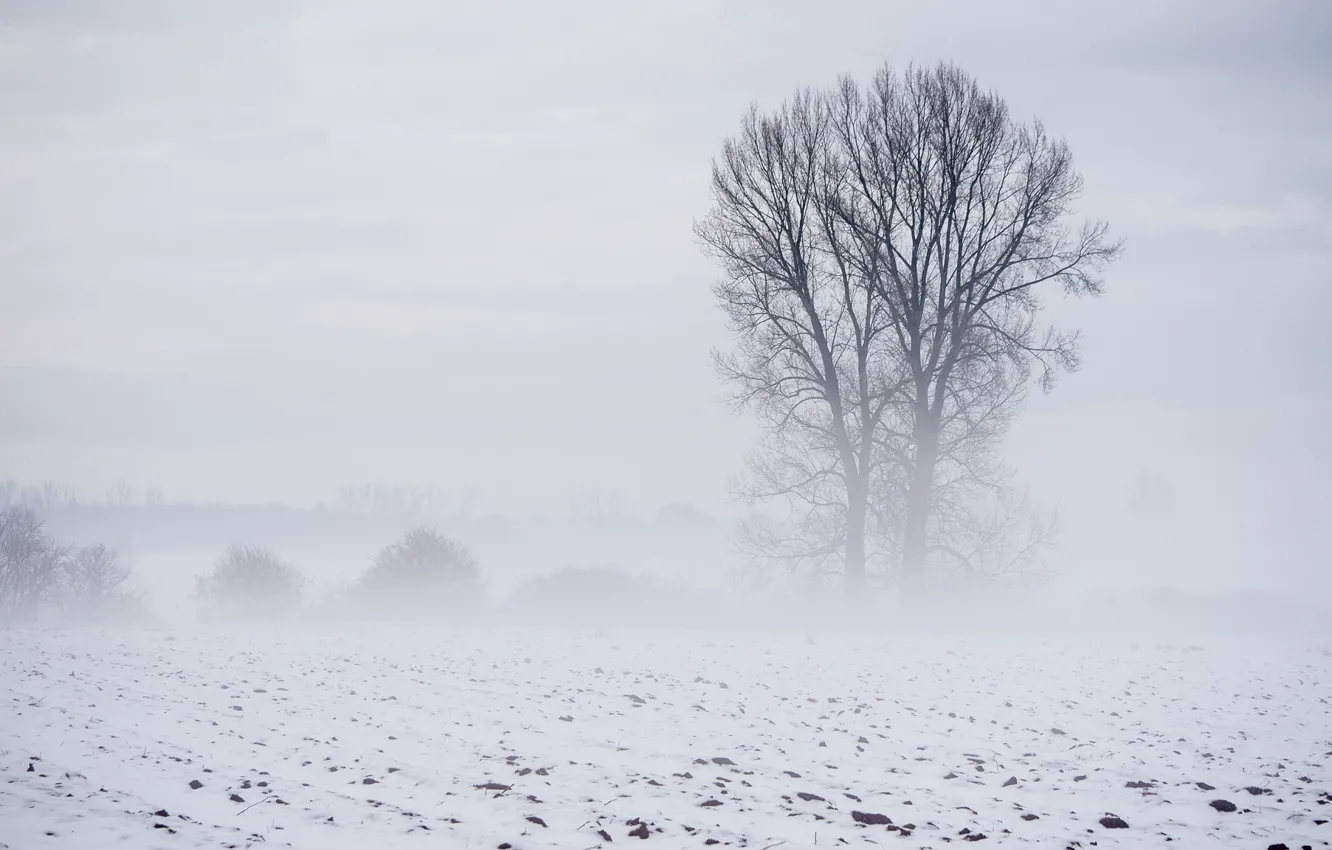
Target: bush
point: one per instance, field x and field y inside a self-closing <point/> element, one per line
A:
<point x="31" y="565"/>
<point x="251" y="583"/>
<point x="420" y="573"/>
<point x="611" y="596"/>
<point x="603" y="595"/>
<point x="92" y="587"/>
<point x="581" y="584"/>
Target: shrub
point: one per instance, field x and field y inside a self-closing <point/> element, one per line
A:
<point x="601" y="595"/>
<point x="582" y="584"/>
<point x="92" y="586"/>
<point x="420" y="573"/>
<point x="251" y="583"/>
<point x="31" y="565"/>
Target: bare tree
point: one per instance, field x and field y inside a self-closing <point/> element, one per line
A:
<point x="31" y="565"/>
<point x="810" y="331"/>
<point x="979" y="525"/>
<point x="959" y="216"/>
<point x="38" y="576"/>
<point x="885" y="251"/>
<point x="120" y="494"/>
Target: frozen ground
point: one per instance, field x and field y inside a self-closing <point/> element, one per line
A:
<point x="563" y="739"/>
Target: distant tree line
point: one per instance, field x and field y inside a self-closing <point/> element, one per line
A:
<point x="49" y="495"/>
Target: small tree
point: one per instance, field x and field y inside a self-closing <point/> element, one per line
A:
<point x="422" y="571"/>
<point x="251" y="583"/>
<point x="31" y="565"/>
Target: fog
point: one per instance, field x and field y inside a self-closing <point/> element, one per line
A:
<point x="308" y="278"/>
<point x="254" y="254"/>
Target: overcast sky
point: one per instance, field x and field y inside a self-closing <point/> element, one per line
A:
<point x="253" y="251"/>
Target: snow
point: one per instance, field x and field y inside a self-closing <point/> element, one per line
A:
<point x="380" y="738"/>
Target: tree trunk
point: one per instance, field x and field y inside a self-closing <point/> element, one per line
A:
<point x="920" y="496"/>
<point x="857" y="508"/>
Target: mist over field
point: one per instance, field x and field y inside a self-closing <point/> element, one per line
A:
<point x="703" y="423"/>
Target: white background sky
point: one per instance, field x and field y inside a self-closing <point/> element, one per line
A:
<point x="253" y="251"/>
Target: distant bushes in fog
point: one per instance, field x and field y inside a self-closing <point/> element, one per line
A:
<point x="250" y="583"/>
<point x="420" y="574"/>
<point x="39" y="577"/>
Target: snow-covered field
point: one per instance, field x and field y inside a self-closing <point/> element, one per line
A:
<point x="532" y="738"/>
